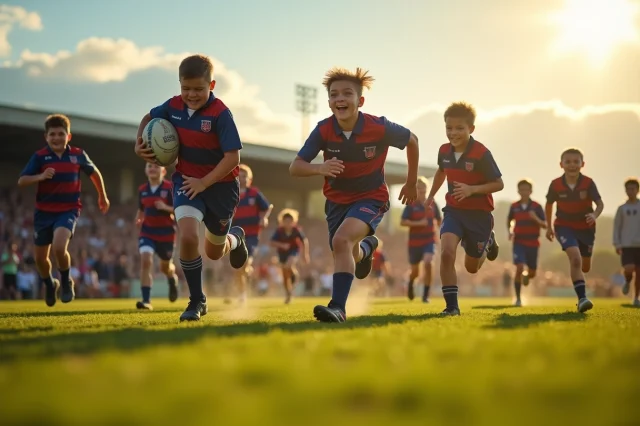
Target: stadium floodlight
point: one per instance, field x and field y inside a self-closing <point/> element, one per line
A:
<point x="306" y="103"/>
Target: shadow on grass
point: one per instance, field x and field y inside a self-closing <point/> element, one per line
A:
<point x="495" y="307"/>
<point x="629" y="305"/>
<point x="128" y="311"/>
<point x="129" y="339"/>
<point x="506" y="321"/>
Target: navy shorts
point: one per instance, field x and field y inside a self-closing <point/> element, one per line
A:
<point x="217" y="203"/>
<point x="630" y="256"/>
<point x="163" y="249"/>
<point x="368" y="211"/>
<point x="525" y="255"/>
<point x="473" y="227"/>
<point x="416" y="254"/>
<point x="45" y="223"/>
<point x="284" y="256"/>
<point x="581" y="238"/>
<point x="252" y="244"/>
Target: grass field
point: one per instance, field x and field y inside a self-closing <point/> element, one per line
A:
<point x="98" y="362"/>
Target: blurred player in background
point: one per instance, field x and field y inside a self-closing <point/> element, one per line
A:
<point x="524" y="221"/>
<point x="205" y="184"/>
<point x="575" y="220"/>
<point x="421" y="221"/>
<point x="379" y="270"/>
<point x="472" y="176"/>
<point x="252" y="215"/>
<point x="626" y="237"/>
<point x="157" y="232"/>
<point x="355" y="148"/>
<point x="56" y="170"/>
<point x="289" y="240"/>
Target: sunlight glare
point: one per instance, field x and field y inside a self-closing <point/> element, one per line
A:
<point x="595" y="27"/>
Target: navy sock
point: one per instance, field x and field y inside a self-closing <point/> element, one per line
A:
<point x="341" y="286"/>
<point x="450" y="293"/>
<point x="366" y="248"/>
<point x="64" y="277"/>
<point x="411" y="280"/>
<point x="518" y="286"/>
<point x="425" y="292"/>
<point x="146" y="294"/>
<point x="172" y="281"/>
<point x="580" y="288"/>
<point x="193" y="273"/>
<point x="48" y="281"/>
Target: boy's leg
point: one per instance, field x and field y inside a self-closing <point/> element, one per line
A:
<point x="636" y="300"/>
<point x="627" y="259"/>
<point x="519" y="259"/>
<point x="428" y="271"/>
<point x="61" y="237"/>
<point x="415" y="257"/>
<point x="164" y="251"/>
<point x="241" y="275"/>
<point x="571" y="246"/>
<point x="44" y="267"/>
<point x="479" y="241"/>
<point x="451" y="233"/>
<point x="146" y="274"/>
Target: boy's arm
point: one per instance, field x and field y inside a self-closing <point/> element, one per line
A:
<point x="31" y="173"/>
<point x="139" y="217"/>
<point x="617" y="228"/>
<point x="265" y="209"/>
<point x="413" y="154"/>
<point x="438" y="180"/>
<point x="231" y="145"/>
<point x="489" y="169"/>
<point x="405" y="221"/>
<point x="548" y="212"/>
<point x="141" y="150"/>
<point x="539" y="216"/>
<point x="305" y="249"/>
<point x="301" y="166"/>
<point x="595" y="196"/>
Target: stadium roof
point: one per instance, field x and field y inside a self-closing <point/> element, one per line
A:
<point x="114" y="130"/>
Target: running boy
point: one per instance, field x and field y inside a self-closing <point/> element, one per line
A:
<point x="525" y="234"/>
<point x="289" y="240"/>
<point x="626" y="237"/>
<point x="56" y="169"/>
<point x="472" y="176"/>
<point x="205" y="184"/>
<point x="575" y="223"/>
<point x="157" y="232"/>
<point x="355" y="148"/>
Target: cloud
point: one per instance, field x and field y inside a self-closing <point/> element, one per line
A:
<point x="10" y="16"/>
<point x="114" y="62"/>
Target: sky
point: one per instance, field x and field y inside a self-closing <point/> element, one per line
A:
<point x="543" y="75"/>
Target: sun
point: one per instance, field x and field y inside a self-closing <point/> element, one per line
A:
<point x="595" y="27"/>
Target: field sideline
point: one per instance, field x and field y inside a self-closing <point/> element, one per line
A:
<point x="99" y="362"/>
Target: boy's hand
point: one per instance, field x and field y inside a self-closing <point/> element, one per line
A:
<point x="139" y="222"/>
<point x="462" y="191"/>
<point x="510" y="236"/>
<point x="618" y="250"/>
<point x="47" y="174"/>
<point x="192" y="186"/>
<point x="264" y="223"/>
<point x="408" y="193"/>
<point x="429" y="202"/>
<point x="550" y="234"/>
<point x="331" y="168"/>
<point x="591" y="218"/>
<point x="161" y="205"/>
<point x="143" y="151"/>
<point x="103" y="204"/>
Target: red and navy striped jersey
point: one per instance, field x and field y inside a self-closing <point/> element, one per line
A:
<point x="526" y="231"/>
<point x="204" y="136"/>
<point x="294" y="239"/>
<point x="363" y="154"/>
<point x="157" y="225"/>
<point x="421" y="235"/>
<point x="247" y="216"/>
<point x="61" y="193"/>
<point x="573" y="204"/>
<point x="475" y="166"/>
<point x="378" y="260"/>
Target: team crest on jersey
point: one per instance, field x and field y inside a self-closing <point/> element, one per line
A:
<point x="205" y="126"/>
<point x="369" y="152"/>
<point x="164" y="193"/>
<point x="468" y="166"/>
<point x="583" y="195"/>
<point x="73" y="159"/>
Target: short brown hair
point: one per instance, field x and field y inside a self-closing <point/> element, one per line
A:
<point x="293" y="214"/>
<point x="632" y="182"/>
<point x="525" y="182"/>
<point x="247" y="170"/>
<point x="57" y="120"/>
<point x="570" y="151"/>
<point x="462" y="110"/>
<point x="196" y="66"/>
<point x="360" y="78"/>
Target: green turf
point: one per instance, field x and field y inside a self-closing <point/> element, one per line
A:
<point x="101" y="363"/>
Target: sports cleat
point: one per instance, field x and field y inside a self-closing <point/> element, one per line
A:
<point x="195" y="310"/>
<point x="636" y="303"/>
<point x="51" y="293"/>
<point x="410" y="291"/>
<point x="363" y="268"/>
<point x="144" y="305"/>
<point x="173" y="289"/>
<point x="238" y="256"/>
<point x="518" y="303"/>
<point x="584" y="305"/>
<point x="329" y="313"/>
<point x="493" y="249"/>
<point x="67" y="292"/>
<point x="625" y="287"/>
<point x="525" y="280"/>
<point x="426" y="300"/>
<point x="450" y="312"/>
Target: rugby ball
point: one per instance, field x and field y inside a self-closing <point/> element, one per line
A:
<point x="162" y="138"/>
